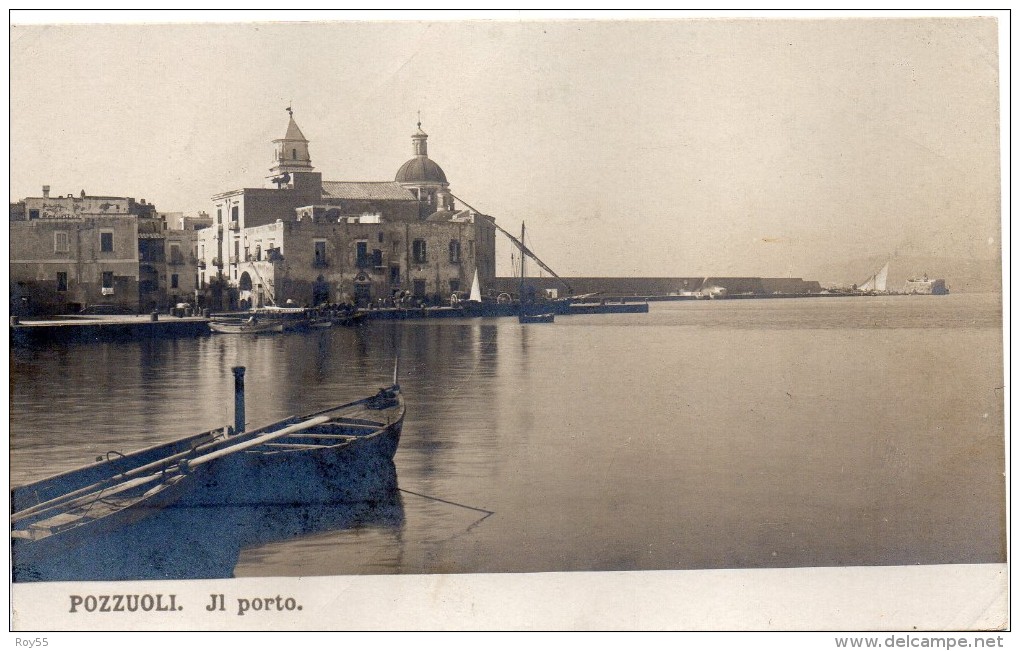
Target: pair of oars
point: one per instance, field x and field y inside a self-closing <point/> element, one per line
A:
<point x="87" y="494"/>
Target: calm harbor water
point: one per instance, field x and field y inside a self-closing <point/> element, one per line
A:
<point x="707" y="434"/>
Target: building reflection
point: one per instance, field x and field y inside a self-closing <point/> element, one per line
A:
<point x="158" y="390"/>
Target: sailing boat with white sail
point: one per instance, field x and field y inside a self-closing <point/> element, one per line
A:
<point x="877" y="281"/>
<point x="476" y="290"/>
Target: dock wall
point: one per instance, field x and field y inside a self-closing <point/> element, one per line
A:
<point x="111" y="329"/>
<point x="664" y="286"/>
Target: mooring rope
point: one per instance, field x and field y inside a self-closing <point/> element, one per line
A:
<point x="463" y="506"/>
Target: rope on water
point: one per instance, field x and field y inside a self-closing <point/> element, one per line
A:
<point x="463" y="506"/>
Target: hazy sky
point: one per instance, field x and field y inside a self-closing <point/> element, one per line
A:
<point x="677" y="147"/>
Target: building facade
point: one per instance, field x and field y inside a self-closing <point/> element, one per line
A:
<point x="167" y="264"/>
<point x="60" y="264"/>
<point x="310" y="241"/>
<point x="71" y="252"/>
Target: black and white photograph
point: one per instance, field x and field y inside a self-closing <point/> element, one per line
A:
<point x="508" y="321"/>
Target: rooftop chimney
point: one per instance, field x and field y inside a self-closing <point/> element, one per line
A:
<point x="46" y="192"/>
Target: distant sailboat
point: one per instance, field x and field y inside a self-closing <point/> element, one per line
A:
<point x="877" y="282"/>
<point x="476" y="290"/>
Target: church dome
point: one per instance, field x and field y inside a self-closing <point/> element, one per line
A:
<point x="420" y="169"/>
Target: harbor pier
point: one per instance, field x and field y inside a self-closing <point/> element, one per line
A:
<point x="107" y="328"/>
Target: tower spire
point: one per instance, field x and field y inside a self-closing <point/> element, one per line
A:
<point x="291" y="150"/>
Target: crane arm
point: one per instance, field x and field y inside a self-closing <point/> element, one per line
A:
<point x="520" y="245"/>
<point x="525" y="250"/>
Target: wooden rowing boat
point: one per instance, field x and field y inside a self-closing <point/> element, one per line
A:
<point x="335" y="455"/>
<point x="244" y="327"/>
<point x="350" y="318"/>
<point x="329" y="456"/>
<point x="270" y="319"/>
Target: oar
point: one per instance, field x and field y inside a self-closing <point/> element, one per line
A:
<point x="120" y="477"/>
<point x="159" y="463"/>
<point x="63" y="502"/>
<point x="186" y="465"/>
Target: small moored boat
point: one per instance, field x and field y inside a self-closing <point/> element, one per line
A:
<point x="244" y="326"/>
<point x="536" y="318"/>
<point x="335" y="455"/>
<point x="527" y="310"/>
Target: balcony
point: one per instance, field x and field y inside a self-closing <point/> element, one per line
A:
<point x="234" y="259"/>
<point x="234" y="226"/>
<point x="175" y="261"/>
<point x="107" y="291"/>
<point x="320" y="262"/>
<point x="201" y="264"/>
<point x="217" y="262"/>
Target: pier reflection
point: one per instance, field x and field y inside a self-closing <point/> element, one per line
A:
<point x="205" y="542"/>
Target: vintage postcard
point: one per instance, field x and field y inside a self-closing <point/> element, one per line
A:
<point x="507" y="322"/>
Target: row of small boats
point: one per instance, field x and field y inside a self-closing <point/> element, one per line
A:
<point x="340" y="454"/>
<point x="269" y="320"/>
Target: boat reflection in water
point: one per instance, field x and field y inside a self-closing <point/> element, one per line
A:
<point x="205" y="542"/>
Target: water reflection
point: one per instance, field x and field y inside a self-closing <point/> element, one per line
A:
<point x="704" y="434"/>
<point x="203" y="542"/>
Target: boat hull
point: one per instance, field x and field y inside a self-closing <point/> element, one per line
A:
<point x="347" y="473"/>
<point x="36" y="546"/>
<point x="243" y="328"/>
<point x="341" y="455"/>
<point x="181" y="542"/>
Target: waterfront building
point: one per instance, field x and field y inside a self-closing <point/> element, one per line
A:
<point x="167" y="263"/>
<point x="310" y="241"/>
<point x="74" y="251"/>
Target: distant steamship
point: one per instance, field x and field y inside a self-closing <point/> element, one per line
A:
<point x="925" y="285"/>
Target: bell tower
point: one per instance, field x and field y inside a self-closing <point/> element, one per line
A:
<point x="291" y="152"/>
